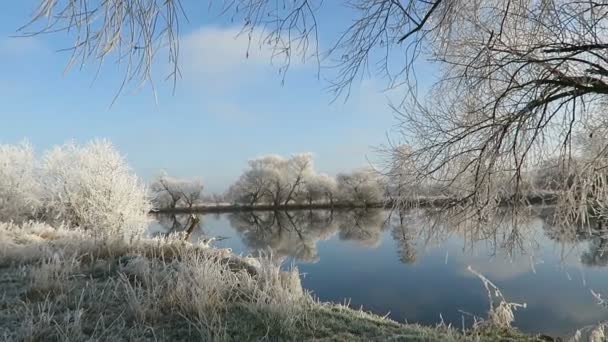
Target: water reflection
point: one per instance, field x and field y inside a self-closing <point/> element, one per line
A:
<point x="413" y="263"/>
<point x="296" y="234"/>
<point x="176" y="223"/>
<point x="405" y="238"/>
<point x="597" y="255"/>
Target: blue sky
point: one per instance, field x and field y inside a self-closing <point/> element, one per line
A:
<point x="226" y="109"/>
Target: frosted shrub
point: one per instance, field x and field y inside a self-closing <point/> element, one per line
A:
<point x="19" y="188"/>
<point x="93" y="188"/>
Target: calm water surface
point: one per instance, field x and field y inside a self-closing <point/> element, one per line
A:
<point x="402" y="266"/>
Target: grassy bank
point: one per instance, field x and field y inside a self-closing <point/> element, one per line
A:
<point x="64" y="285"/>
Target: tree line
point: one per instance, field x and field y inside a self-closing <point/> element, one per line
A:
<point x="275" y="181"/>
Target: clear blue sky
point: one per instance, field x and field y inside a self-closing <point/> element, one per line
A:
<point x="226" y="109"/>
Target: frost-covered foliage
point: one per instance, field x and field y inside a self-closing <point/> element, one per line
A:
<point x="319" y="188"/>
<point x="362" y="186"/>
<point x="275" y="180"/>
<point x="553" y="175"/>
<point x="169" y="192"/>
<point x="19" y="185"/>
<point x="400" y="175"/>
<point x="92" y="187"/>
<point x="579" y="181"/>
<point x="89" y="187"/>
<point x="272" y="180"/>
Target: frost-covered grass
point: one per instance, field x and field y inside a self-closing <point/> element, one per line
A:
<point x="67" y="285"/>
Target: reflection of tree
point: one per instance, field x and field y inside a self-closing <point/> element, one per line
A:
<point x="179" y="223"/>
<point x="557" y="230"/>
<point x="597" y="255"/>
<point x="572" y="234"/>
<point x="287" y="234"/>
<point x="362" y="225"/>
<point x="433" y="226"/>
<point x="297" y="233"/>
<point x="404" y="236"/>
<point x="575" y="233"/>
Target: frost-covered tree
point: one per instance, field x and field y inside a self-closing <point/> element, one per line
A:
<point x="360" y="186"/>
<point x="299" y="167"/>
<point x="217" y="198"/>
<point x="168" y="192"/>
<point x="553" y="175"/>
<point x="319" y="188"/>
<point x="272" y="180"/>
<point x="400" y="181"/>
<point x="274" y="169"/>
<point x="19" y="183"/>
<point x="279" y="181"/>
<point x="249" y="189"/>
<point x="579" y="181"/>
<point x="92" y="187"/>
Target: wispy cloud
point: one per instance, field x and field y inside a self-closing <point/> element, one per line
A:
<point x="214" y="50"/>
<point x="20" y="46"/>
<point x="228" y="65"/>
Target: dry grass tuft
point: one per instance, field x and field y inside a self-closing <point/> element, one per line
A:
<point x="500" y="315"/>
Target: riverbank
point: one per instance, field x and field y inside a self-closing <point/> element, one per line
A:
<point x="64" y="285"/>
<point x="423" y="202"/>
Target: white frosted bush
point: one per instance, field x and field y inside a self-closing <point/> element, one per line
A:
<point x="19" y="186"/>
<point x="92" y="187"/>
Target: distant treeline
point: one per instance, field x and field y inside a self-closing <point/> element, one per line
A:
<point x="275" y="182"/>
<point x="278" y="183"/>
